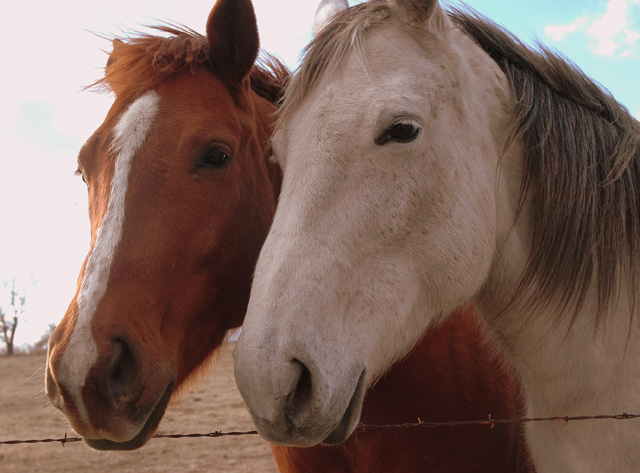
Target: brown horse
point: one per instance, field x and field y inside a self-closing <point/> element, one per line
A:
<point x="181" y="195"/>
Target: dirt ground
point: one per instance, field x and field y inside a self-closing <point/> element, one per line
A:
<point x="213" y="404"/>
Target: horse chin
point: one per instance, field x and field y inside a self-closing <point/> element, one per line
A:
<point x="347" y="424"/>
<point x="145" y="433"/>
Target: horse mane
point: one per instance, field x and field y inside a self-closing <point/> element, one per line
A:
<point x="581" y="162"/>
<point x="140" y="63"/>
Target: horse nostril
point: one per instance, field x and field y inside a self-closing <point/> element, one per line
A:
<point x="302" y="393"/>
<point x="124" y="382"/>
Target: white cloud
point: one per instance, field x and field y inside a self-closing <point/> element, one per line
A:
<point x="611" y="33"/>
<point x="605" y="47"/>
<point x="613" y="22"/>
<point x="632" y="37"/>
<point x="629" y="54"/>
<point x="558" y="32"/>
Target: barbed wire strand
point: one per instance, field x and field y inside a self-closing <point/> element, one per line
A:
<point x="365" y="428"/>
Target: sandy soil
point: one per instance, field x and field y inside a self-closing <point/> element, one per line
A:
<point x="213" y="404"/>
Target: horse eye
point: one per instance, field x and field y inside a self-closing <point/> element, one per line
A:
<point x="81" y="174"/>
<point x="214" y="157"/>
<point x="402" y="132"/>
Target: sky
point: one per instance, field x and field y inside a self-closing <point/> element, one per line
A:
<point x="51" y="50"/>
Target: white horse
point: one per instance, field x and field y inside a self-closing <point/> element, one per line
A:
<point x="430" y="158"/>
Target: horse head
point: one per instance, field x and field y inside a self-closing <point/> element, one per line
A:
<point x="181" y="195"/>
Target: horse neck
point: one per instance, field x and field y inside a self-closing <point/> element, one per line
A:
<point x="567" y="367"/>
<point x="576" y="370"/>
<point x="537" y="337"/>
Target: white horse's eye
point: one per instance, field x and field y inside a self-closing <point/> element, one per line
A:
<point x="402" y="132"/>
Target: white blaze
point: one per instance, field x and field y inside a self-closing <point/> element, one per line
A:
<point x="129" y="135"/>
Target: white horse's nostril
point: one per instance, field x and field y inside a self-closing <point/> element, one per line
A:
<point x="301" y="395"/>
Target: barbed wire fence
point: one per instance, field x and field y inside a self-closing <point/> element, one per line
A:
<point x="489" y="421"/>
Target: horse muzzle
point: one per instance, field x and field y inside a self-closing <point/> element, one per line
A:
<point x="296" y="404"/>
<point x="119" y="402"/>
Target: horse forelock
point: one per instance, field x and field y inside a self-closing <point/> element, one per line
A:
<point x="334" y="41"/>
<point x="143" y="61"/>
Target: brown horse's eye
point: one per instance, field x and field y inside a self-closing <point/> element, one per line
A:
<point x="215" y="157"/>
<point x="402" y="132"/>
<point x="81" y="174"/>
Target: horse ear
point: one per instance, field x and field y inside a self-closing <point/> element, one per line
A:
<point x="232" y="33"/>
<point x="427" y="12"/>
<point x="326" y="9"/>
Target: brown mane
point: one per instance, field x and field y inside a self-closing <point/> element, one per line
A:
<point x="140" y="63"/>
<point x="581" y="163"/>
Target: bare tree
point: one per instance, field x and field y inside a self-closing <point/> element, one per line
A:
<point x="10" y="316"/>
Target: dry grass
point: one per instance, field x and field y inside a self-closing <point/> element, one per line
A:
<point x="214" y="404"/>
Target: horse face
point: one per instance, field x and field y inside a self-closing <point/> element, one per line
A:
<point x="181" y="197"/>
<point x="386" y="221"/>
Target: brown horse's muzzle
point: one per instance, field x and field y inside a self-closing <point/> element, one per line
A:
<point x="118" y="403"/>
